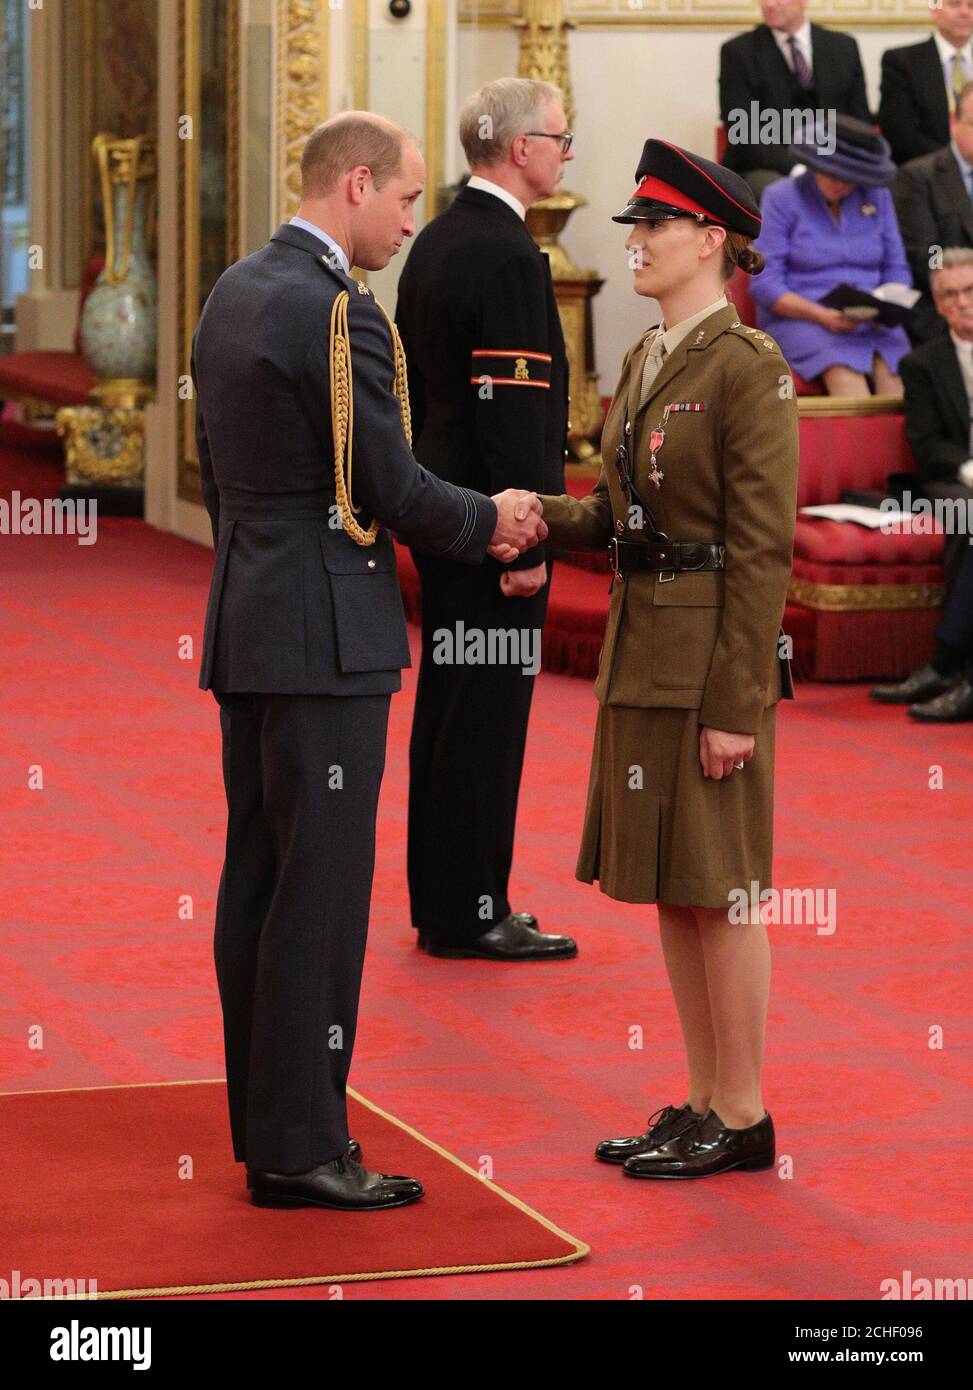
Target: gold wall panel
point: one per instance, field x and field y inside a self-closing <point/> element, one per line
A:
<point x="714" y="14"/>
<point x="302" y="91"/>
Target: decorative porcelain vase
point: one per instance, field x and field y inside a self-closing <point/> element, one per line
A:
<point x="119" y="323"/>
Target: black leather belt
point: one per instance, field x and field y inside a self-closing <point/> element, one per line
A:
<point x="669" y="557"/>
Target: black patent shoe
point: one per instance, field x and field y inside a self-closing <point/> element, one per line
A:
<point x="706" y="1149"/>
<point x="341" y="1185"/>
<point x="955" y="707"/>
<point x="673" y="1119"/>
<point x="924" y="684"/>
<point x="353" y="1151"/>
<point x="513" y="939"/>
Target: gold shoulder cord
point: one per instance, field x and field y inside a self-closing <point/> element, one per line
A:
<point x="343" y="412"/>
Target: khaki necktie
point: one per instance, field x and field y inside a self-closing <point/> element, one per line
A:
<point x="958" y="80"/>
<point x="654" y="359"/>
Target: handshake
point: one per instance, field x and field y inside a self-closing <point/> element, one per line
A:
<point x="519" y="524"/>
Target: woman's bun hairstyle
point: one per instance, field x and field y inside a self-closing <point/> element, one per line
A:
<point x="737" y="251"/>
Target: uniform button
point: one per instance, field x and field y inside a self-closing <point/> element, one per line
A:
<point x="371" y="564"/>
<point x="565" y="453"/>
<point x="568" y="425"/>
<point x="628" y="427"/>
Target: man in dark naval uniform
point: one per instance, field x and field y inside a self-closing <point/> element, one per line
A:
<point x="488" y="387"/>
<point x="304" y="462"/>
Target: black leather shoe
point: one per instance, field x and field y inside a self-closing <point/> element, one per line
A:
<point x="708" y="1148"/>
<point x="528" y="919"/>
<point x="353" y="1151"/>
<point x="923" y="684"/>
<point x="673" y="1119"/>
<point x="343" y="1185"/>
<point x="955" y="707"/>
<point x="511" y="939"/>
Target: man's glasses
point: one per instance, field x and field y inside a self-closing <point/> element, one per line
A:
<point x="565" y="139"/>
<point x="947" y="296"/>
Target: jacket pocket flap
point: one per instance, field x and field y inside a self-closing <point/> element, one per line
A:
<point x="691" y="589"/>
<point x="343" y="556"/>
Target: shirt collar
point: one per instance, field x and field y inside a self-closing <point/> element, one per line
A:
<point x="487" y="186"/>
<point x="963" y="346"/>
<point x="322" y="235"/>
<point x="672" y="337"/>
<point x="803" y="36"/>
<point x="947" y="52"/>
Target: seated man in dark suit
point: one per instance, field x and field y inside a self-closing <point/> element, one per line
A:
<point x="920" y="83"/>
<point x="934" y="204"/>
<point x="784" y="65"/>
<point x="938" y="381"/>
<point x="941" y="692"/>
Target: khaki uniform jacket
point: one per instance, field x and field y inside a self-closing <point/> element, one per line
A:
<point x="706" y="640"/>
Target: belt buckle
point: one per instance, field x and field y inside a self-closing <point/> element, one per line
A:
<point x="666" y="575"/>
<point x="613" y="560"/>
<point x="722" y="550"/>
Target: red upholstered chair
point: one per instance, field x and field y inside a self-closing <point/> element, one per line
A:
<point x="49" y="377"/>
<point x="862" y="604"/>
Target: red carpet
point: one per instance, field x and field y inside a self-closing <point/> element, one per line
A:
<point x="181" y="1221"/>
<point x="519" y="1069"/>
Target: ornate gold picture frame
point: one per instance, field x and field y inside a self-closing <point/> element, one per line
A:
<point x="209" y="84"/>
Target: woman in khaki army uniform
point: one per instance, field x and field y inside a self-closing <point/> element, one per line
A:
<point x="697" y="502"/>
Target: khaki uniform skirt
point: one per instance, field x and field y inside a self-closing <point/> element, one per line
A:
<point x="657" y="830"/>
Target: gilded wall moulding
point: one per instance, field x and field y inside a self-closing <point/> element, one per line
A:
<point x="711" y="14"/>
<point x="302" y="90"/>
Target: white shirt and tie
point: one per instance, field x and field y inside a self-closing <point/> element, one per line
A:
<point x="803" y="39"/>
<point x="957" y="65"/>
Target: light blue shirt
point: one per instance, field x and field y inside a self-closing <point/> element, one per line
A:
<point x="323" y="236"/>
<point x="965" y="169"/>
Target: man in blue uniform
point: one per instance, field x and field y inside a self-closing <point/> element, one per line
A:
<point x="305" y="463"/>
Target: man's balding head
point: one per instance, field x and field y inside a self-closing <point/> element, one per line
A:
<point x="348" y="141"/>
<point x="360" y="177"/>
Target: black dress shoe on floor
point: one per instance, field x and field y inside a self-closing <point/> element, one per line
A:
<point x="511" y="939"/>
<point x="342" y="1185"/>
<point x="923" y="684"/>
<point x="353" y="1151"/>
<point x="528" y="919"/>
<point x="955" y="707"/>
<point x="671" y="1121"/>
<point x="707" y="1148"/>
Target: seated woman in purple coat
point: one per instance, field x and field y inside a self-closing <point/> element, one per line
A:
<point x="833" y="225"/>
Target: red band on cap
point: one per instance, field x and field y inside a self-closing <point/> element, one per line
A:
<point x="693" y="165"/>
<point x="663" y="192"/>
